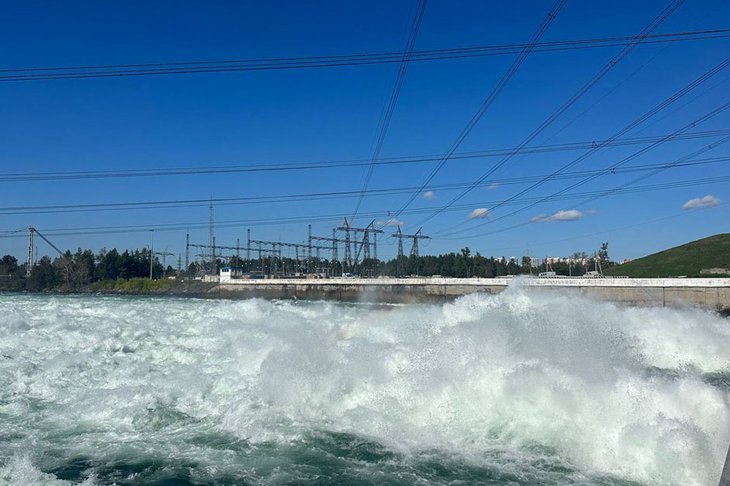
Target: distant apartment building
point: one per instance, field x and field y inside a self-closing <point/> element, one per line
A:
<point x="569" y="260"/>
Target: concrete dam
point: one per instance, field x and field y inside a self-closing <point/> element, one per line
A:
<point x="709" y="293"/>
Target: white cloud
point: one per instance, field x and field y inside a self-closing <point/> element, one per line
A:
<point x="479" y="213"/>
<point x="390" y="222"/>
<point x="429" y="195"/>
<point x="492" y="186"/>
<point x="701" y="202"/>
<point x="562" y="215"/>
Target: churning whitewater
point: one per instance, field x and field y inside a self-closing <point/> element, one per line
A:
<point x="516" y="388"/>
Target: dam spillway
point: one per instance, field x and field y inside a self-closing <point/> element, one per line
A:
<point x="710" y="293"/>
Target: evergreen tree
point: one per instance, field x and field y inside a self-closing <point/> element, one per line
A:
<point x="43" y="276"/>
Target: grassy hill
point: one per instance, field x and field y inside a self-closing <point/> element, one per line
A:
<point x="684" y="260"/>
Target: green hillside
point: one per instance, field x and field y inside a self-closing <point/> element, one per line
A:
<point x="684" y="260"/>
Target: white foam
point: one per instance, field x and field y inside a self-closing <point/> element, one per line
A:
<point x="611" y="390"/>
<point x="19" y="470"/>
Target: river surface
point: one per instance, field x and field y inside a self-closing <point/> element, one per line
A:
<point x="517" y="388"/>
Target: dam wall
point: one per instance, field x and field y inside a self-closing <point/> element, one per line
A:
<point x="710" y="293"/>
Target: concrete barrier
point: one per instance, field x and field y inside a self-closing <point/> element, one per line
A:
<point x="710" y="293"/>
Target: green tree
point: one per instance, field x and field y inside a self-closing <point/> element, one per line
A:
<point x="43" y="276"/>
<point x="603" y="253"/>
<point x="512" y="267"/>
<point x="11" y="274"/>
<point x="109" y="266"/>
<point x="84" y="268"/>
<point x="9" y="266"/>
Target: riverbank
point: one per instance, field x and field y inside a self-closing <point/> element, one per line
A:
<point x="145" y="286"/>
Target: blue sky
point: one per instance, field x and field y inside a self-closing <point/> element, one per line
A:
<point x="327" y="114"/>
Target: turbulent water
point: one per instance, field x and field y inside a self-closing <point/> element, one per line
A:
<point x="518" y="388"/>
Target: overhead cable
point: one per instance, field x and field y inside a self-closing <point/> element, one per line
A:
<point x="18" y="74"/>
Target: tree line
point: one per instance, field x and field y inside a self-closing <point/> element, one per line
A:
<point x="76" y="271"/>
<point x="462" y="264"/>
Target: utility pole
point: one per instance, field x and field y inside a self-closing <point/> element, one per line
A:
<point x="152" y="245"/>
<point x="29" y="265"/>
<point x="335" y="241"/>
<point x="309" y="249"/>
<point x="333" y="262"/>
<point x="348" y="249"/>
<point x="369" y="230"/>
<point x="187" y="251"/>
<point x="32" y="249"/>
<point x="416" y="237"/>
<point x="261" y="262"/>
<point x="214" y="268"/>
<point x="163" y="254"/>
<point x="275" y="263"/>
<point x="414" y="248"/>
<point x="364" y="246"/>
<point x="211" y="241"/>
<point x="399" y="259"/>
<point x="375" y="245"/>
<point x="248" y="244"/>
<point x="206" y="250"/>
<point x="277" y="246"/>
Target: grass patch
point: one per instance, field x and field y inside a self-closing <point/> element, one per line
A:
<point x="684" y="260"/>
<point x="134" y="285"/>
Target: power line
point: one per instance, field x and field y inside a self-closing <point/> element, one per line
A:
<point x="184" y="226"/>
<point x="685" y="104"/>
<point x="392" y="101"/>
<point x="656" y="109"/>
<point x="643" y="65"/>
<point x="684" y="91"/>
<point x="623" y="227"/>
<point x="606" y="95"/>
<point x="327" y="165"/>
<point x="651" y="173"/>
<point x="506" y="77"/>
<point x="625" y="190"/>
<point x="312" y="62"/>
<point x="615" y="165"/>
<point x="282" y="198"/>
<point x="621" y="189"/>
<point x="653" y="25"/>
